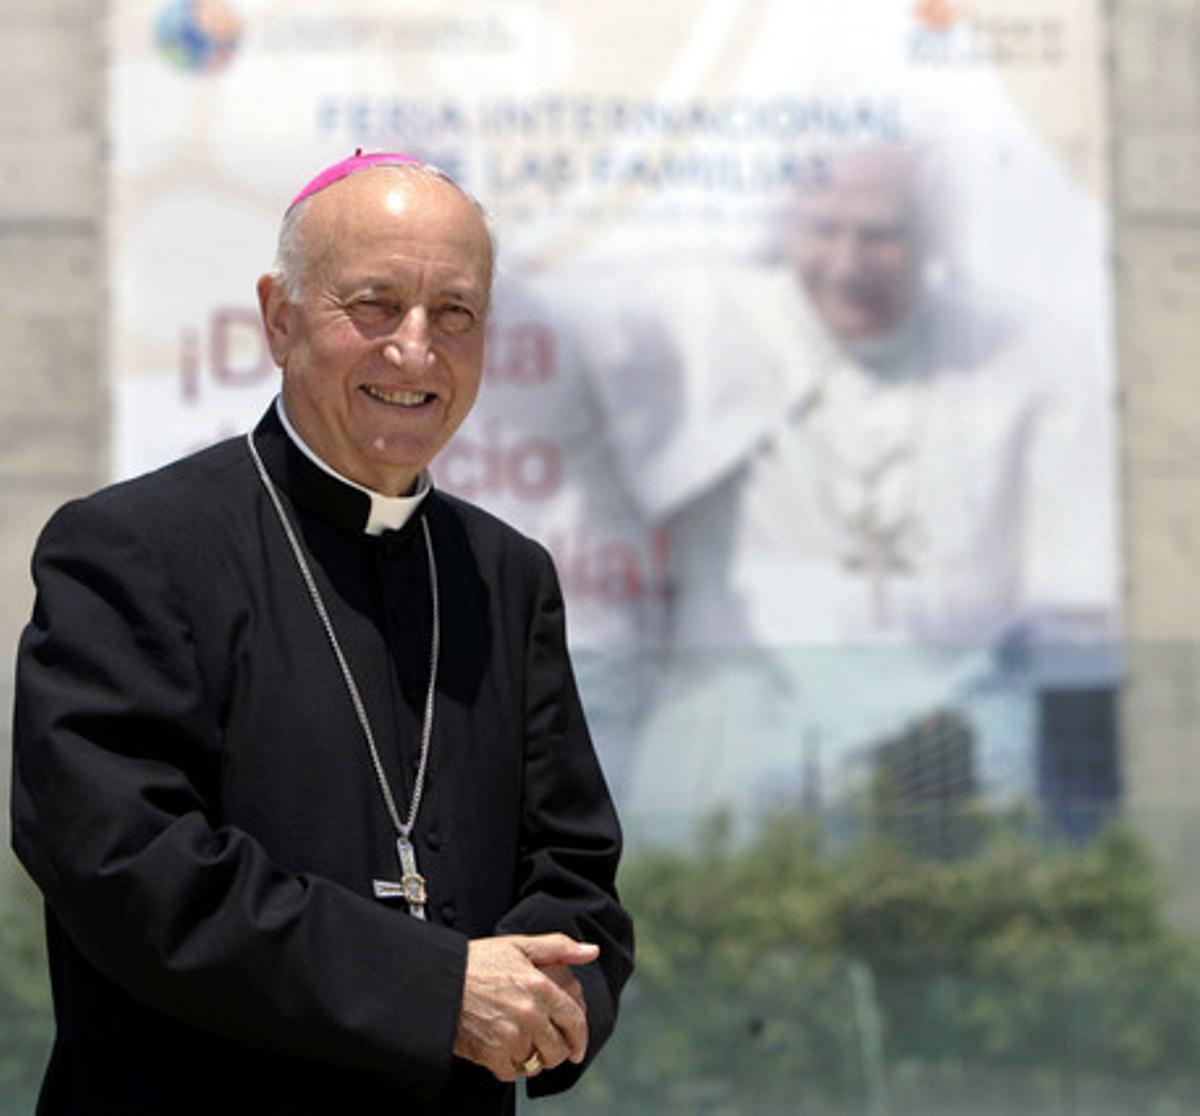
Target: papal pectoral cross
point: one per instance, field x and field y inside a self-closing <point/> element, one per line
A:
<point x="880" y="548"/>
<point x="880" y="552"/>
<point x="411" y="887"/>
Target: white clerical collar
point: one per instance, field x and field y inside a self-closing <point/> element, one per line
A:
<point x="388" y="513"/>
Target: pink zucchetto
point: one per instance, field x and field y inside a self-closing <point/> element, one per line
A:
<point x="356" y="162"/>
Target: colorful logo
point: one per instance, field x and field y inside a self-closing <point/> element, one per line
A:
<point x="938" y="15"/>
<point x="198" y="35"/>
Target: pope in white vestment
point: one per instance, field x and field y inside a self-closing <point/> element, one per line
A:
<point x="881" y="492"/>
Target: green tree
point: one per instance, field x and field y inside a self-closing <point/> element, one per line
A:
<point x="780" y="977"/>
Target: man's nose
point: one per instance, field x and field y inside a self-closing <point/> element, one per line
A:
<point x="846" y="256"/>
<point x="411" y="346"/>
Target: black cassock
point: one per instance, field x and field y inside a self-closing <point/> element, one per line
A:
<point x="194" y="796"/>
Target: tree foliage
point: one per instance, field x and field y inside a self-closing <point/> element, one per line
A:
<point x="25" y="1024"/>
<point x="780" y="977"/>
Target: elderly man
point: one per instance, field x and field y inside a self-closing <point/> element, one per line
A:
<point x="299" y="761"/>
<point x="859" y="461"/>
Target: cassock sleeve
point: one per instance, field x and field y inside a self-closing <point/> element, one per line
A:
<point x="570" y="837"/>
<point x="116" y="778"/>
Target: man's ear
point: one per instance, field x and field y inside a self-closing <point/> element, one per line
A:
<point x="278" y="317"/>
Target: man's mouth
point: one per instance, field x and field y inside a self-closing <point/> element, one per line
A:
<point x="398" y="398"/>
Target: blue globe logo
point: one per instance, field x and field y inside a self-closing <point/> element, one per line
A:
<point x="198" y="35"/>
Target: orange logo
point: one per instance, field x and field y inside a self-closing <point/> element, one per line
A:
<point x="937" y="15"/>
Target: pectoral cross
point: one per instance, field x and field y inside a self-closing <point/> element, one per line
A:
<point x="878" y="552"/>
<point x="411" y="887"/>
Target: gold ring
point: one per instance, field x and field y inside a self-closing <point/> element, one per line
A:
<point x="532" y="1064"/>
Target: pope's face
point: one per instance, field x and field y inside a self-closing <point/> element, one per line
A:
<point x="382" y="352"/>
<point x="856" y="249"/>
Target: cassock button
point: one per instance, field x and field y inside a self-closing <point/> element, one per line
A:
<point x="449" y="913"/>
<point x="433" y="840"/>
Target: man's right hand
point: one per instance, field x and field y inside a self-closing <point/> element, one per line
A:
<point x="520" y="998"/>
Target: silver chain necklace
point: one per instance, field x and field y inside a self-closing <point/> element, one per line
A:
<point x="411" y="887"/>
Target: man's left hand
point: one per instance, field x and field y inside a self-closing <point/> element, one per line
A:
<point x="521" y="999"/>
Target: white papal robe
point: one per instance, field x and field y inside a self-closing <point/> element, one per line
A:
<point x="856" y="538"/>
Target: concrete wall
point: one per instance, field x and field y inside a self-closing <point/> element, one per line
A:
<point x="53" y="424"/>
<point x="1155" y="100"/>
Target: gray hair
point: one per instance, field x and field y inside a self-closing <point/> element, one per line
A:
<point x="291" y="250"/>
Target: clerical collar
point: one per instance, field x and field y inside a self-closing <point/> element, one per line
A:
<point x="387" y="513"/>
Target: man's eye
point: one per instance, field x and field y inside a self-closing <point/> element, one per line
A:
<point x="371" y="310"/>
<point x="454" y="319"/>
<point x="883" y="234"/>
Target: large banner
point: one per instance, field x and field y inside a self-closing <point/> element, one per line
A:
<point x="799" y="363"/>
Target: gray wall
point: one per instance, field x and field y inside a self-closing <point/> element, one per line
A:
<point x="53" y="427"/>
<point x="1155" y="102"/>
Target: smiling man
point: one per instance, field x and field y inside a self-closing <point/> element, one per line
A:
<point x="376" y="317"/>
<point x="860" y="247"/>
<point x="299" y="762"/>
